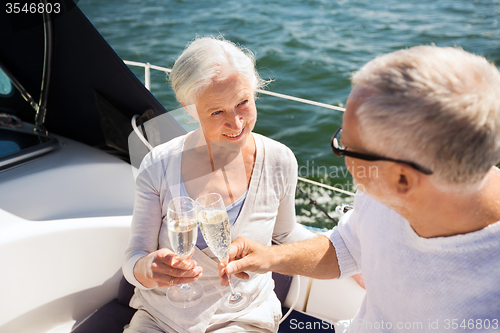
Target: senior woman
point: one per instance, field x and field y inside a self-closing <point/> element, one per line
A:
<point x="256" y="176"/>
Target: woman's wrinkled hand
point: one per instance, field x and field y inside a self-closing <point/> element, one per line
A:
<point x="164" y="269"/>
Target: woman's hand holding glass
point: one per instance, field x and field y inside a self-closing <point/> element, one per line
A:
<point x="163" y="268"/>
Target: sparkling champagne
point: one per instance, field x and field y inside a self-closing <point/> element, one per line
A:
<point x="214" y="225"/>
<point x="182" y="233"/>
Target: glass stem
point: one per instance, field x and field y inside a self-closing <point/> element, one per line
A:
<point x="233" y="295"/>
<point x="233" y="292"/>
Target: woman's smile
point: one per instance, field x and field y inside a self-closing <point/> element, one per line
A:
<point x="235" y="136"/>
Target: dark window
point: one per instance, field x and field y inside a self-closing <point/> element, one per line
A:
<point x="17" y="147"/>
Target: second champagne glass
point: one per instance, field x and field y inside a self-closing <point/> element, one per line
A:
<point x="214" y="225"/>
<point x="182" y="232"/>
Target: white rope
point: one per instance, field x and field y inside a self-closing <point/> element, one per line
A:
<point x="301" y="100"/>
<point x="294" y="301"/>
<point x="139" y="134"/>
<point x="326" y="186"/>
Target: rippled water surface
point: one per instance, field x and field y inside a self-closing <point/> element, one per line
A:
<point x="309" y="48"/>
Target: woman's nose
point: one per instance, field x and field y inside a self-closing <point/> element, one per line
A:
<point x="235" y="121"/>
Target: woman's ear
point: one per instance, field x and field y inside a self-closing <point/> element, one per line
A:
<point x="191" y="110"/>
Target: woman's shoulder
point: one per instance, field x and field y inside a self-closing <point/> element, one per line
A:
<point x="273" y="146"/>
<point x="164" y="151"/>
<point x="276" y="152"/>
<point x="169" y="147"/>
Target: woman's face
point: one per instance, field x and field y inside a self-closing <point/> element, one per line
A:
<point x="227" y="112"/>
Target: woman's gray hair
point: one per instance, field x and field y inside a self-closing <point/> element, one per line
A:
<point x="438" y="107"/>
<point x="210" y="59"/>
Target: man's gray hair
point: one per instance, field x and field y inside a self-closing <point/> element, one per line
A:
<point x="438" y="107"/>
<point x="210" y="59"/>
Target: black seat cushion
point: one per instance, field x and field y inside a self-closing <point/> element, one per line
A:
<point x="282" y="285"/>
<point x="113" y="316"/>
<point x="110" y="318"/>
<point x="125" y="292"/>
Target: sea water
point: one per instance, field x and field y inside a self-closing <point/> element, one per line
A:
<point x="308" y="48"/>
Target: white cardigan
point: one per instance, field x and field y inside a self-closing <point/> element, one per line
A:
<point x="268" y="213"/>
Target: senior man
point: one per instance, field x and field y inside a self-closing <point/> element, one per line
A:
<point x="425" y="228"/>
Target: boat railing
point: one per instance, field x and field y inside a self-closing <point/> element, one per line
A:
<point x="147" y="83"/>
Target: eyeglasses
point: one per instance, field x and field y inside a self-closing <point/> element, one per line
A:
<point x="339" y="150"/>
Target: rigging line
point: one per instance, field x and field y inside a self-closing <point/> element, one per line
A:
<point x="326" y="186"/>
<point x="314" y="203"/>
<point x="15" y="82"/>
<point x="302" y="100"/>
<point x="48" y="51"/>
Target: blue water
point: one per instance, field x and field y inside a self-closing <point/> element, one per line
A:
<point x="309" y="48"/>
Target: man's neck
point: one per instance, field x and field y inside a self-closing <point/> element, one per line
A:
<point x="436" y="213"/>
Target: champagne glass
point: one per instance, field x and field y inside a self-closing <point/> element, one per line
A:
<point x="182" y="232"/>
<point x="214" y="225"/>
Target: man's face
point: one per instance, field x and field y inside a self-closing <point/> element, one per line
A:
<point x="367" y="174"/>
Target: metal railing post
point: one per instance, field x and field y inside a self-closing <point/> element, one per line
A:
<point x="147" y="77"/>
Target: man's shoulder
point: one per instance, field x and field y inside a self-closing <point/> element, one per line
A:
<point x="372" y="211"/>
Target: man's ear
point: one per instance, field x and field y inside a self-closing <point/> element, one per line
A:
<point x="405" y="179"/>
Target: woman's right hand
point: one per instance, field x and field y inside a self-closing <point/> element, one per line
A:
<point x="164" y="269"/>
